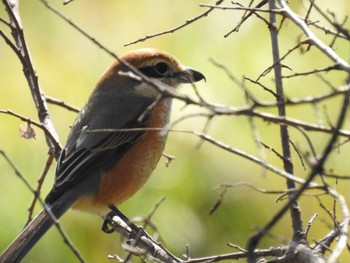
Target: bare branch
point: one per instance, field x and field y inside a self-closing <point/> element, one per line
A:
<point x="32" y="79"/>
<point x="317" y="169"/>
<point x="61" y="103"/>
<point x="36" y="194"/>
<point x="329" y="52"/>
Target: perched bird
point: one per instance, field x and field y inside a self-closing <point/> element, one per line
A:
<point x="111" y="149"/>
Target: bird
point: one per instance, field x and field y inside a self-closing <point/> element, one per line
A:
<point x="115" y="143"/>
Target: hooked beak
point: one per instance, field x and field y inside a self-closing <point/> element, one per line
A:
<point x="189" y="75"/>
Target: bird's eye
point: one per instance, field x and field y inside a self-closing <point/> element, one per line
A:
<point x="161" y="67"/>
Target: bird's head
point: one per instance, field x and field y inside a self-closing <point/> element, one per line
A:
<point x="161" y="65"/>
<point x="155" y="64"/>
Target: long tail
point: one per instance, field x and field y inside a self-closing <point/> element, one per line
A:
<point x="31" y="234"/>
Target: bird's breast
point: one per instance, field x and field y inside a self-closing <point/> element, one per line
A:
<point x="131" y="172"/>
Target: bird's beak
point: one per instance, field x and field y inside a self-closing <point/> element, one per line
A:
<point x="189" y="75"/>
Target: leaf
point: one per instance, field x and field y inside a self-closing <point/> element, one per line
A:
<point x="26" y="131"/>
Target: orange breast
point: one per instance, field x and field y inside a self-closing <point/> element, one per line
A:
<point x="133" y="170"/>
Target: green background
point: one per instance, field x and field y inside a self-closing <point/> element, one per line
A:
<point x="68" y="66"/>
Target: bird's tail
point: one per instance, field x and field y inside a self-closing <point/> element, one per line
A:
<point x="31" y="234"/>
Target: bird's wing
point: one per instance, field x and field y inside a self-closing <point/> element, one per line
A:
<point x="95" y="144"/>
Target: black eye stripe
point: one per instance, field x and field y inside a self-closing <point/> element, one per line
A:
<point x="157" y="71"/>
<point x="151" y="72"/>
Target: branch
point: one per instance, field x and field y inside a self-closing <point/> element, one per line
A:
<point x="219" y="144"/>
<point x="32" y="79"/>
<point x="139" y="242"/>
<point x="284" y="133"/>
<point x="329" y="52"/>
<point x="34" y="123"/>
<point x="79" y="29"/>
<point x="61" y="103"/>
<point x="35" y="193"/>
<point x="317" y="169"/>
<point x="38" y="188"/>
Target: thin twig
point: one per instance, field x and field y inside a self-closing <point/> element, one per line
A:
<point x="66" y="239"/>
<point x="246" y="16"/>
<point x="174" y="29"/>
<point x="61" y="103"/>
<point x="277" y="252"/>
<point x="221" y="145"/>
<point x="38" y="188"/>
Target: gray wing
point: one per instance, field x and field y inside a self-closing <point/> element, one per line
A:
<point x="94" y="144"/>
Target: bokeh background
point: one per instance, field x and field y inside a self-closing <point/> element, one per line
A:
<point x="68" y="66"/>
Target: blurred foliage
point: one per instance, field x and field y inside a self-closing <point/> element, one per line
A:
<point x="68" y="66"/>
